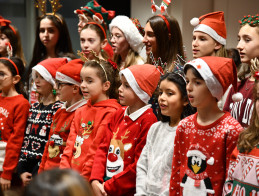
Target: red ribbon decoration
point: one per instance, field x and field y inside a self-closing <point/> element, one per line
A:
<point x="6" y="23"/>
<point x="114" y="65"/>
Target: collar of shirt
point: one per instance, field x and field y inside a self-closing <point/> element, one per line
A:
<point x="74" y="106"/>
<point x="134" y="116"/>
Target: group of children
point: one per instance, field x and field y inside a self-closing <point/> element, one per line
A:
<point x="98" y="116"/>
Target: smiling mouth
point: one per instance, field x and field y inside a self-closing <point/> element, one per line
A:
<point x="113" y="169"/>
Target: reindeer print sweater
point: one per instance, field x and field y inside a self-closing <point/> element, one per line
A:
<point x="59" y="132"/>
<point x="117" y="156"/>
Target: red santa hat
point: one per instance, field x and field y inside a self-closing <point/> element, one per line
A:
<point x="218" y="73"/>
<point x="199" y="151"/>
<point x="143" y="79"/>
<point x="212" y="24"/>
<point x="47" y="69"/>
<point x="70" y="72"/>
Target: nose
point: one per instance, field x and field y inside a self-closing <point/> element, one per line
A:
<point x="145" y="39"/>
<point x="161" y="96"/>
<point x="194" y="42"/>
<point x="188" y="87"/>
<point x="120" y="89"/>
<point x="239" y="45"/>
<point x="112" y="157"/>
<point x="82" y="85"/>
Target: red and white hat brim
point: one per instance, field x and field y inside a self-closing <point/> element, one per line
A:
<point x="64" y="78"/>
<point x="44" y="73"/>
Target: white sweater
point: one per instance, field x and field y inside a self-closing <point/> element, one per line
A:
<point x="155" y="162"/>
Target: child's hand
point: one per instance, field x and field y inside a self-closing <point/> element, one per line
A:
<point x="5" y="184"/>
<point x="26" y="178"/>
<point x="98" y="188"/>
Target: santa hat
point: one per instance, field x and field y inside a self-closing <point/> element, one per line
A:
<point x="129" y="30"/>
<point x="218" y="73"/>
<point x="212" y="24"/>
<point x="70" y="72"/>
<point x="47" y="69"/>
<point x="199" y="151"/>
<point x="143" y="79"/>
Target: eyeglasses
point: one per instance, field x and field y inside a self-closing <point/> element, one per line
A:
<point x="116" y="36"/>
<point x="60" y="84"/>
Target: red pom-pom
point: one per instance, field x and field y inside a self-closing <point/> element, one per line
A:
<point x="162" y="9"/>
<point x="52" y="143"/>
<point x="153" y="7"/>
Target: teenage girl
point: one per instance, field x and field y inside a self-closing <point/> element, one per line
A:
<point x="93" y="37"/>
<point x="9" y="34"/>
<point x="163" y="38"/>
<point x="246" y="156"/>
<point x="126" y="42"/>
<point x="248" y="47"/>
<point x="40" y="118"/>
<point x="14" y="110"/>
<point x="155" y="162"/>
<point x="209" y="39"/>
<point x="99" y="84"/>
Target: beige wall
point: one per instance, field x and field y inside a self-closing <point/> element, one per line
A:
<point x="185" y="10"/>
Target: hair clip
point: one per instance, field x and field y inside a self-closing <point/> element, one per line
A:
<point x="251" y="20"/>
<point x="9" y="49"/>
<point x="162" y="8"/>
<point x="113" y="64"/>
<point x="159" y="64"/>
<point x="6" y="23"/>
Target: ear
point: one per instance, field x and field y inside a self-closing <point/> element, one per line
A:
<point x="76" y="89"/>
<point x="106" y="86"/>
<point x="185" y="102"/>
<point x="104" y="42"/>
<point x="217" y="45"/>
<point x="16" y="79"/>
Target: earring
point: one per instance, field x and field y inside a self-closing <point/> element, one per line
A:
<point x="54" y="92"/>
<point x="102" y="50"/>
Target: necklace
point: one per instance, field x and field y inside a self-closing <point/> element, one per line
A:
<point x="248" y="87"/>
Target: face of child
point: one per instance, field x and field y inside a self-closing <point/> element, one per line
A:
<point x="203" y="45"/>
<point x="149" y="40"/>
<point x="64" y="91"/>
<point x="120" y="45"/>
<point x="197" y="90"/>
<point x="90" y="40"/>
<point x="6" y="78"/>
<point x="3" y="41"/>
<point x="170" y="99"/>
<point x="248" y="43"/>
<point x="49" y="33"/>
<point x="43" y="87"/>
<point x="126" y="95"/>
<point x="91" y="86"/>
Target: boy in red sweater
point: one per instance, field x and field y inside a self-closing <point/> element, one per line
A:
<point x="204" y="141"/>
<point x="68" y="90"/>
<point x="116" y="159"/>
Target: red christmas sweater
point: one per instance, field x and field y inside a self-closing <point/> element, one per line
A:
<point x="117" y="156"/>
<point x="86" y="133"/>
<point x="59" y="132"/>
<point x="13" y="117"/>
<point x="241" y="111"/>
<point x="202" y="170"/>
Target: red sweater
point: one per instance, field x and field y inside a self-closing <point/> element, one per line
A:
<point x="13" y="117"/>
<point x="117" y="156"/>
<point x="58" y="135"/>
<point x="87" y="131"/>
<point x="203" y="170"/>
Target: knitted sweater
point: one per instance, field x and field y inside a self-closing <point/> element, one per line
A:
<point x="241" y="111"/>
<point x="116" y="159"/>
<point x="59" y="132"/>
<point x="202" y="170"/>
<point x="86" y="133"/>
<point x="13" y="116"/>
<point x="37" y="132"/>
<point x="155" y="162"/>
<point x="243" y="173"/>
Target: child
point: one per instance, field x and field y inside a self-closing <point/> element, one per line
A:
<point x="209" y="35"/>
<point x="243" y="176"/>
<point x="40" y="118"/>
<point x="9" y="34"/>
<point x="126" y="42"/>
<point x="116" y="160"/>
<point x="163" y="38"/>
<point x="93" y="37"/>
<point x="205" y="140"/>
<point x="58" y="182"/>
<point x="155" y="162"/>
<point x="68" y="90"/>
<point x="14" y="110"/>
<point x="248" y="47"/>
<point x="99" y="84"/>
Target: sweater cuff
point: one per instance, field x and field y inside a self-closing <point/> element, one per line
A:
<point x="7" y="175"/>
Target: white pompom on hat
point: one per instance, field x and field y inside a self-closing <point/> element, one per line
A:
<point x="129" y="30"/>
<point x="218" y="73"/>
<point x="212" y="24"/>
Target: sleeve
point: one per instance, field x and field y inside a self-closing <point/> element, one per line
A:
<point x="174" y="188"/>
<point x="68" y="151"/>
<point x="126" y="180"/>
<point x="87" y="167"/>
<point x="15" y="140"/>
<point x="228" y="100"/>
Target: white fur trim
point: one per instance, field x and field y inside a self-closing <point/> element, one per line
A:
<point x="64" y="78"/>
<point x="211" y="81"/>
<point x="195" y="21"/>
<point x="129" y="30"/>
<point x="196" y="153"/>
<point x="44" y="73"/>
<point x="210" y="161"/>
<point x="134" y="85"/>
<point x="2" y="154"/>
<point x="208" y="30"/>
<point x="237" y="97"/>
